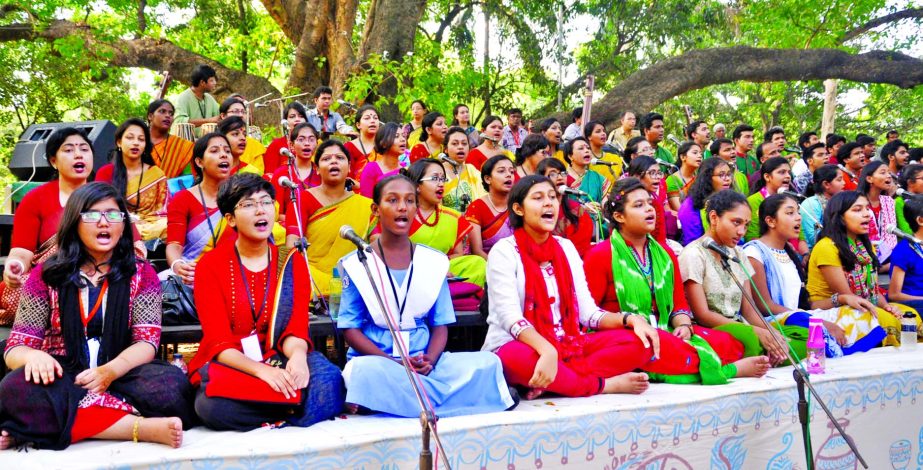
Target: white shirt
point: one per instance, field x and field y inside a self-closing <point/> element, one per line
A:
<point x="791" y="282"/>
<point x="506" y="285"/>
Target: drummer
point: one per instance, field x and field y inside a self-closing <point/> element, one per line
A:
<point x="196" y="105"/>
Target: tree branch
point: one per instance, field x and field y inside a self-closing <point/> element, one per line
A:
<point x="910" y="13"/>
<point x="647" y="88"/>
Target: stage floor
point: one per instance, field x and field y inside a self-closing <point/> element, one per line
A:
<point x="749" y="424"/>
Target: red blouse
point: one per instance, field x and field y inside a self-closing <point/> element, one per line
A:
<point x="284" y="195"/>
<point x="224" y="308"/>
<point x="597" y="264"/>
<point x="476" y="158"/>
<point x="186" y="211"/>
<point x="357" y="160"/>
<point x="272" y="159"/>
<point x="104" y="173"/>
<point x="37" y="217"/>
<point x="581" y="235"/>
<point x="419" y="151"/>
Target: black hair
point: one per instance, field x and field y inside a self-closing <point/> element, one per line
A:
<point x="57" y="138"/>
<point x="807" y="153"/>
<point x="428" y="121"/>
<point x="684" y="149"/>
<point x="835" y="229"/>
<point x="198" y="151"/>
<point x="910" y="173"/>
<point x="63" y="268"/>
<point x="702" y="186"/>
<point x="385" y="136"/>
<point x="916" y="154"/>
<point x="639" y="165"/>
<point x="631" y="148"/>
<point x="322" y="90"/>
<point x="226" y="105"/>
<point x="298" y="107"/>
<point x="202" y="73"/>
<point x="692" y="127"/>
<point x="648" y="121"/>
<point x="417" y="171"/>
<point x="723" y="201"/>
<point x="891" y="148"/>
<point x="766" y="169"/>
<point x="891" y="132"/>
<point x="770" y="208"/>
<point x="487" y="168"/>
<point x="833" y="139"/>
<point x="421" y="103"/>
<point x="384" y="182"/>
<point x="618" y="196"/>
<point x="843" y="153"/>
<point x="116" y="156"/>
<point x="768" y="135"/>
<point x="805" y="137"/>
<point x="293" y="134"/>
<point x="153" y="106"/>
<point x="577" y="113"/>
<point x="868" y="170"/>
<point x="546" y="124"/>
<point x="230" y="124"/>
<point x="331" y="142"/>
<point x="241" y="186"/>
<point x="864" y="140"/>
<point x="518" y="196"/>
<point x="455" y="110"/>
<point x="489" y="120"/>
<point x="543" y="165"/>
<point x="913" y="208"/>
<point x="362" y="109"/>
<point x="715" y="147"/>
<point x="530" y="145"/>
<point x="824" y="174"/>
<point x="456" y="130"/>
<point x="513" y="111"/>
<point x="740" y="129"/>
<point x="568" y="148"/>
<point x="589" y="127"/>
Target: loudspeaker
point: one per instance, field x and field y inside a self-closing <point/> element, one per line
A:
<point x="29" y="152"/>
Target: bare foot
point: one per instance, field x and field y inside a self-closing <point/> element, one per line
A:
<point x="6" y="440"/>
<point x="351" y="408"/>
<point x="167" y="431"/>
<point x="534" y="393"/>
<point x="755" y="366"/>
<point x="629" y="382"/>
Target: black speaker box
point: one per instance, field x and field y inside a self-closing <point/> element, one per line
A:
<point x="29" y="152"/>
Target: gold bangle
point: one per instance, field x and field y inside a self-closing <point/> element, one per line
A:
<point x="135" y="427"/>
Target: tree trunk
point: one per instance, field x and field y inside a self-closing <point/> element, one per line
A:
<point x="828" y="124"/>
<point x="645" y="89"/>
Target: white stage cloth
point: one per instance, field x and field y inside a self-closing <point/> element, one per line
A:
<point x="748" y="424"/>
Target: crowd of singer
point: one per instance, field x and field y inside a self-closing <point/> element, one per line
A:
<point x="605" y="289"/>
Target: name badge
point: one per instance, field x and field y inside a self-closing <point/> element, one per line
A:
<point x="93" y="348"/>
<point x="251" y="347"/>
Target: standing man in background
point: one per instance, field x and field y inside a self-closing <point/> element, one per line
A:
<point x="514" y="133"/>
<point x="622" y="134"/>
<point x="327" y="122"/>
<point x="196" y="105"/>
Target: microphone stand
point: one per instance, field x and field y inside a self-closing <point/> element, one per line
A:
<point x="802" y="381"/>
<point x="427" y="417"/>
<point x="302" y="244"/>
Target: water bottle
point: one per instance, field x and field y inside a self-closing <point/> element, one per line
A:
<point x="333" y="297"/>
<point x="179" y="362"/>
<point x="908" y="332"/>
<point x="816" y="347"/>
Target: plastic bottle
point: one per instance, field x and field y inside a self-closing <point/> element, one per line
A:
<point x="333" y="297"/>
<point x="179" y="362"/>
<point x="908" y="332"/>
<point x="816" y="360"/>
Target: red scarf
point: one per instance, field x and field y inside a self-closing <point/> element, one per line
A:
<point x="537" y="305"/>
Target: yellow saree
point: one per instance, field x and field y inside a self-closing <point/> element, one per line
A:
<point x="322" y="231"/>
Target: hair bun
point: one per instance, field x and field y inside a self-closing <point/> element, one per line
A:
<point x="404" y="172"/>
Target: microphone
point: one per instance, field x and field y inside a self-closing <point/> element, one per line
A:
<point x="722" y="252"/>
<point x="666" y="163"/>
<point x="445" y="158"/>
<point x="347" y="233"/>
<point x="261" y="105"/>
<point x="845" y="170"/>
<point x="793" y="150"/>
<point x="484" y="136"/>
<point x="609" y="148"/>
<point x="285" y="182"/>
<point x="596" y="161"/>
<point x="893" y="230"/>
<point x="907" y="194"/>
<point x="347" y="104"/>
<point x="286" y="153"/>
<point x="672" y="138"/>
<point x="574" y="192"/>
<point x="788" y="192"/>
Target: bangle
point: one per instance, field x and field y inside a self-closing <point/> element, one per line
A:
<point x="625" y="319"/>
<point x="134" y="428"/>
<point x="835" y="298"/>
<point x="173" y="264"/>
<point x="687" y="325"/>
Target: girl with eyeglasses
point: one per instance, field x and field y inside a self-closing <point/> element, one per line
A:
<point x="411" y="279"/>
<point x="253" y="304"/>
<point x="714" y="175"/>
<point x="648" y="171"/>
<point x="86" y="334"/>
<point x="575" y="221"/>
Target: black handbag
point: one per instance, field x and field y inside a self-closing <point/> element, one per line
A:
<point x="178" y="304"/>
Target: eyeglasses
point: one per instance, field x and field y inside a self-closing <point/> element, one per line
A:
<point x="251" y="205"/>
<point x="553" y="174"/>
<point x="654" y="173"/>
<point x="724" y="176"/>
<point x="92" y="217"/>
<point x="436" y="179"/>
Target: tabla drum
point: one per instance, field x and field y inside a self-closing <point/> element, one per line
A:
<point x="207" y="128"/>
<point x="184" y="130"/>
